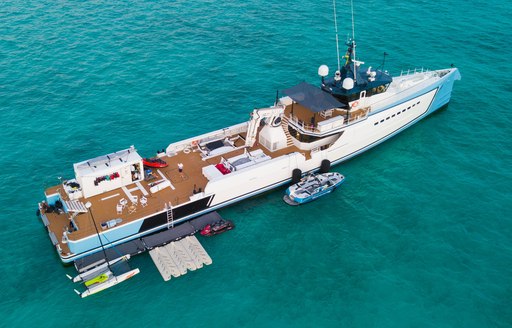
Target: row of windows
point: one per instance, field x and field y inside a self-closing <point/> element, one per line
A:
<point x="398" y="113"/>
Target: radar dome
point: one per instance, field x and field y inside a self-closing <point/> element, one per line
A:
<point x="348" y="83"/>
<point x="323" y="70"/>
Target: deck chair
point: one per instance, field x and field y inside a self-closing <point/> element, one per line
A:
<point x="326" y="113"/>
<point x="135" y="200"/>
<point x="119" y="208"/>
<point x="123" y="202"/>
<point x="144" y="201"/>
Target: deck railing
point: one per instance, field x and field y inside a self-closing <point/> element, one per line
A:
<point x="300" y="124"/>
<point x="416" y="71"/>
<point x="215" y="135"/>
<point x="297" y="123"/>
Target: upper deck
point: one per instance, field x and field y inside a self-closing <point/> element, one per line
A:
<point x="306" y="121"/>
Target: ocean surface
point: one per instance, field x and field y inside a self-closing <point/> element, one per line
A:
<point x="420" y="234"/>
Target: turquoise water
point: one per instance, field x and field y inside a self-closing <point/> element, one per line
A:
<point x="418" y="236"/>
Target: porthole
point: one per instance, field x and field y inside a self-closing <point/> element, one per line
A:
<point x="276" y="122"/>
<point x="393" y="115"/>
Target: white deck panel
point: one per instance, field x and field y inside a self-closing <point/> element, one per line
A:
<point x="180" y="251"/>
<point x="199" y="250"/>
<point x="164" y="263"/>
<point x="174" y="259"/>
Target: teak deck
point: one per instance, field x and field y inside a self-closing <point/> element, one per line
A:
<point x="103" y="206"/>
<point x="306" y="116"/>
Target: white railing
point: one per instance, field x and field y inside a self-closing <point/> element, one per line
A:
<point x="415" y="71"/>
<point x="300" y="124"/>
<point x="204" y="138"/>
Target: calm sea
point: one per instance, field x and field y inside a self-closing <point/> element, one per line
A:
<point x="418" y="236"/>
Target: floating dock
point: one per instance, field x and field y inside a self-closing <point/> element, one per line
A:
<point x="174" y="259"/>
<point x="182" y="232"/>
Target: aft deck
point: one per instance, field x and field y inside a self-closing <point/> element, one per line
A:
<point x="184" y="185"/>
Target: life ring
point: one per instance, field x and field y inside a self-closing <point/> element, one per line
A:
<point x="380" y="88"/>
<point x="355" y="103"/>
<point x="186" y="151"/>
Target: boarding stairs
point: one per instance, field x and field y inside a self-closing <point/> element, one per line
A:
<point x="75" y="206"/>
<point x="284" y="124"/>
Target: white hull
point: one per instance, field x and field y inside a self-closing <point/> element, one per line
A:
<point x="354" y="140"/>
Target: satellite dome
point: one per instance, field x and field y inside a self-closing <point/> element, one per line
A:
<point x="348" y="83"/>
<point x="323" y="70"/>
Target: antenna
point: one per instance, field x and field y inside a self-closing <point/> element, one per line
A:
<point x="353" y="39"/>
<point x="336" y="30"/>
<point x="383" y="60"/>
<point x="353" y="30"/>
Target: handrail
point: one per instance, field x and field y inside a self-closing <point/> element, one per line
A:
<point x="415" y="71"/>
<point x="222" y="133"/>
<point x="300" y="124"/>
<point x="307" y="127"/>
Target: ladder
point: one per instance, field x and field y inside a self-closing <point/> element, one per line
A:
<point x="170" y="217"/>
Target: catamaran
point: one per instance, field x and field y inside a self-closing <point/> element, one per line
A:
<point x="308" y="128"/>
<point x="101" y="276"/>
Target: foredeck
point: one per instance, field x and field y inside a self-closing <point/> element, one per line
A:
<point x="104" y="206"/>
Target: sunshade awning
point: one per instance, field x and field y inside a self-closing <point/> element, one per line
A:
<point x="313" y="98"/>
